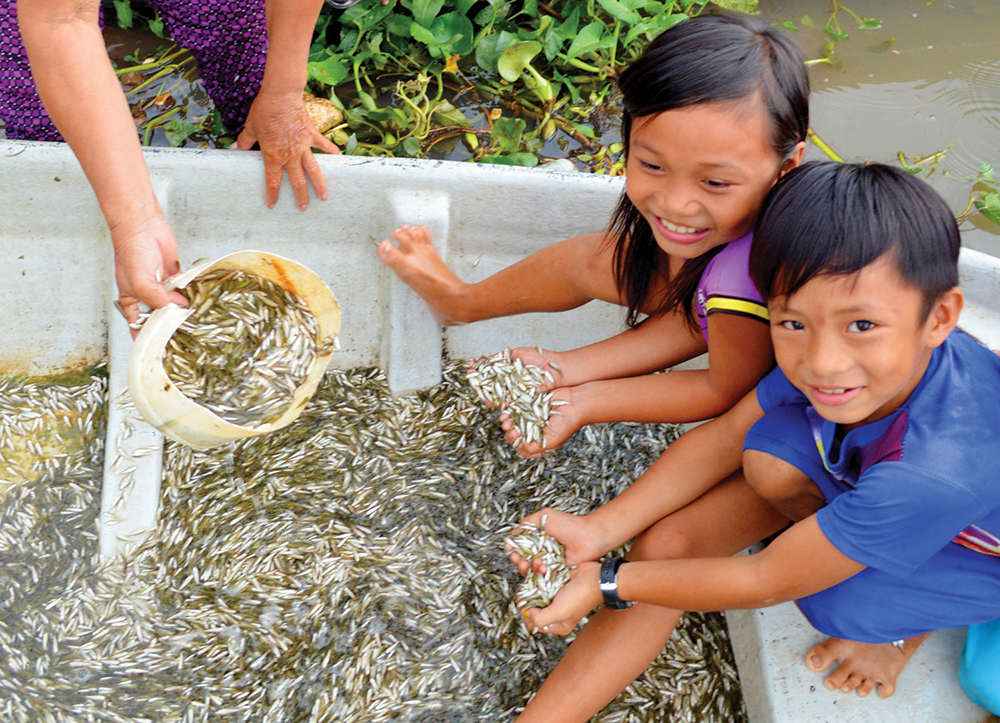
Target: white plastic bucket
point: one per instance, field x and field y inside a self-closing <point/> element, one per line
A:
<point x="163" y="405"/>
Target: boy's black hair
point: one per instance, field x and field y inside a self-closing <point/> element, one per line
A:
<point x="827" y="218"/>
<point x="706" y="59"/>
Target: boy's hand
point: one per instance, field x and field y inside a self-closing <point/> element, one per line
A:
<point x="563" y="422"/>
<point x="577" y="599"/>
<point x="575" y="533"/>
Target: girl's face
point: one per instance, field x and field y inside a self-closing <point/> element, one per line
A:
<point x="699" y="174"/>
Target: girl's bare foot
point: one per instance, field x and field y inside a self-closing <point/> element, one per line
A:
<point x="862" y="666"/>
<point x="563" y="422"/>
<point x="418" y="265"/>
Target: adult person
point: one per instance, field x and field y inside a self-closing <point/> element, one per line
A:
<point x="255" y="84"/>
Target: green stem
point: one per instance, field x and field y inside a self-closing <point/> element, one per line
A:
<point x="155" y="64"/>
<point x="580" y="64"/>
<point x="823" y="146"/>
<point x="166" y="71"/>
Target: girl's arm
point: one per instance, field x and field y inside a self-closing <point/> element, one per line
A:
<point x="278" y="119"/>
<point x="559" y="277"/>
<point x="696" y="462"/>
<point x="800" y="562"/>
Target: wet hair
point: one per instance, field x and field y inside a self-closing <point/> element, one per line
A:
<point x="834" y="219"/>
<point x="706" y="59"/>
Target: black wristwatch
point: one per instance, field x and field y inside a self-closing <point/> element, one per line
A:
<point x="609" y="584"/>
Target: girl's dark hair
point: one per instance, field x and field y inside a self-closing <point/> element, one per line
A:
<point x="709" y="58"/>
<point x="833" y="219"/>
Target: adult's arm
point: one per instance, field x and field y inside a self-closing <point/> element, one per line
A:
<point x="278" y="120"/>
<point x="80" y="91"/>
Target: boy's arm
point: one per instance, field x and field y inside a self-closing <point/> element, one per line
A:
<point x="692" y="465"/>
<point x="800" y="562"/>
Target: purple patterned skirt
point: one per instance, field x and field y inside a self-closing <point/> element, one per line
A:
<point x="228" y="38"/>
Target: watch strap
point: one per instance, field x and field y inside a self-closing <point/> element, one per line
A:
<point x="609" y="584"/>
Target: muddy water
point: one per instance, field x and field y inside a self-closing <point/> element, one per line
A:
<point x="927" y="80"/>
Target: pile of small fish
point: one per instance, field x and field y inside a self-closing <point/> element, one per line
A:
<point x="245" y="349"/>
<point x="346" y="569"/>
<point x="532" y="543"/>
<point x="506" y="383"/>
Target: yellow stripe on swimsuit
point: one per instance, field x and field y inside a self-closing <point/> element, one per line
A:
<point x="737" y="306"/>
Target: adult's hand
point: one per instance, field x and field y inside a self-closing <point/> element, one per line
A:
<point x="281" y="125"/>
<point x="145" y="256"/>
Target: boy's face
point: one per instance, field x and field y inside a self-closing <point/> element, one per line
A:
<point x="855" y="345"/>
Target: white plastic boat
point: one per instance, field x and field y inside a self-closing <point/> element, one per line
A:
<point x="57" y="287"/>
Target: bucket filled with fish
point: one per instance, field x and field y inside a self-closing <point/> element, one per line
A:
<point x="243" y="358"/>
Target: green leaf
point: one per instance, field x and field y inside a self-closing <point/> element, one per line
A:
<point x="585" y="130"/>
<point x="351" y="144"/>
<point x="156" y="26"/>
<point x="986" y="170"/>
<point x="740" y="6"/>
<point x="870" y="24"/>
<point x="454" y="33"/>
<point x="490" y="48"/>
<point x="568" y="27"/>
<point x="587" y="40"/>
<point x="664" y="22"/>
<point x="618" y="11"/>
<point x="366" y="100"/>
<point x="497" y="160"/>
<point x="332" y="71"/>
<point x="123" y="9"/>
<point x="177" y="131"/>
<point x="553" y="45"/>
<point x="366" y="14"/>
<point x="507" y="133"/>
<point x="524" y="159"/>
<point x="530" y="8"/>
<point x="516" y="58"/>
<point x="422" y="34"/>
<point x="448" y="115"/>
<point x="424" y="11"/>
<point x="807" y="22"/>
<point x="989" y="206"/>
<point x="787" y="25"/>
<point x="835" y="34"/>
<point x="574" y="92"/>
<point x="398" y="25"/>
<point x="411" y="146"/>
<point x="464" y="6"/>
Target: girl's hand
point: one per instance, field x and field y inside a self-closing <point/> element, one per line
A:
<point x="563" y="422"/>
<point x="576" y="600"/>
<point x="574" y="532"/>
<point x="550" y="361"/>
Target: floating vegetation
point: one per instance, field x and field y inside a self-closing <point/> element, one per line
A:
<point x="532" y="543"/>
<point x="508" y="384"/>
<point x="349" y="567"/>
<point x="246" y="348"/>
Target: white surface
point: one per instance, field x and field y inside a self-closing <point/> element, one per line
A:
<point x="770" y="646"/>
<point x="55" y="301"/>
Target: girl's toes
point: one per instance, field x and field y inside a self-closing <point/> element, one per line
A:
<point x="886" y="689"/>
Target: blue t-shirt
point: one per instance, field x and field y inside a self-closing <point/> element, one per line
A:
<point x="923" y="477"/>
<point x="725" y="286"/>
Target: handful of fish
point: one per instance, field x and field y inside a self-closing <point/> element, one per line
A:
<point x="533" y="543"/>
<point x="506" y="383"/>
<point x="246" y="348"/>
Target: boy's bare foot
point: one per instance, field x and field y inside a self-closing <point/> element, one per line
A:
<point x="418" y="265"/>
<point x="862" y="666"/>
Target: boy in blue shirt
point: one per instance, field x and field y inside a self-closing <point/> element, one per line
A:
<point x="878" y="435"/>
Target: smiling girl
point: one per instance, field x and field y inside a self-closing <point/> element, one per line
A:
<point x="714" y="113"/>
